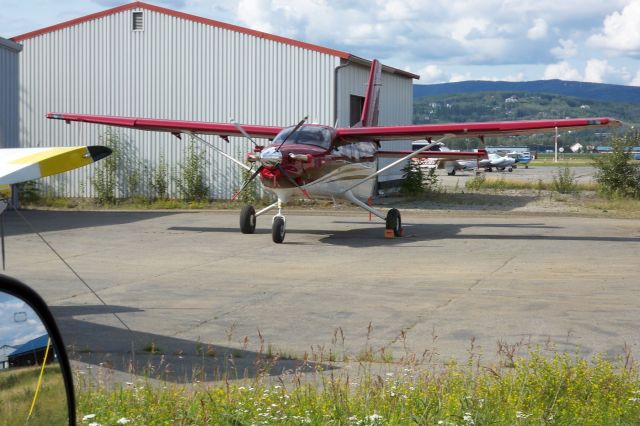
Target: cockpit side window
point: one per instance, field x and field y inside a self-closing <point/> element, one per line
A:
<point x="306" y="135"/>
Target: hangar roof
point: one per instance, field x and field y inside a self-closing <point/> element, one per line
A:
<point x="31" y="345"/>
<point x="214" y="23"/>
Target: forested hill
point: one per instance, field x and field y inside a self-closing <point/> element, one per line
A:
<point x="497" y="106"/>
<point x="589" y="91"/>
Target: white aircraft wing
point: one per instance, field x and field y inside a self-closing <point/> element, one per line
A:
<point x="23" y="164"/>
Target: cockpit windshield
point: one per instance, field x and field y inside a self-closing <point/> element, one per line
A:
<point x="306" y="135"/>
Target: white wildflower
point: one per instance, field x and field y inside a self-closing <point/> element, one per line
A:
<point x="375" y="417"/>
<point x="89" y="417"/>
<point x="521" y="415"/>
<point x="468" y="418"/>
<point x="123" y="421"/>
<point x="94" y="424"/>
<point x="634" y="399"/>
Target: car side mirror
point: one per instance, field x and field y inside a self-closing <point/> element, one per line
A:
<point x="36" y="386"/>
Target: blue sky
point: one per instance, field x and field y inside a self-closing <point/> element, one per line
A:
<point x="18" y="322"/>
<point x="453" y="40"/>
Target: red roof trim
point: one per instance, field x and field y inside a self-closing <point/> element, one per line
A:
<point x="206" y="21"/>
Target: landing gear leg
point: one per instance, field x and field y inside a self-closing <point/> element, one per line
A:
<point x="278" y="226"/>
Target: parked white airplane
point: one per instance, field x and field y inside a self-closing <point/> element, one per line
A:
<point x="498" y="162"/>
<point x="449" y="164"/>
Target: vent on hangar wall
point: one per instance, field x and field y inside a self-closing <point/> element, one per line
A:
<point x="138" y="21"/>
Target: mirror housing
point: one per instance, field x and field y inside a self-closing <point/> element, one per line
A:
<point x="21" y="291"/>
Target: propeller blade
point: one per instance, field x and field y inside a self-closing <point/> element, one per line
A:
<point x="244" y="133"/>
<point x="288" y="176"/>
<point x="247" y="182"/>
<point x="295" y="129"/>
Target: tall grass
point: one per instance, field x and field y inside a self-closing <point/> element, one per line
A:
<point x="536" y="390"/>
<point x="501" y="184"/>
<point x="17" y="387"/>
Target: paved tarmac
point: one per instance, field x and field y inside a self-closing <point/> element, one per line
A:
<point x="211" y="299"/>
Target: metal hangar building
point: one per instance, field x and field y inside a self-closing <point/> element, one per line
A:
<point x="9" y="93"/>
<point x="141" y="60"/>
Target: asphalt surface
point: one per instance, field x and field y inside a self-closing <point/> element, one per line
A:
<point x="211" y="300"/>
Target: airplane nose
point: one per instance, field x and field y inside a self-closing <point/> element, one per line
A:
<point x="270" y="157"/>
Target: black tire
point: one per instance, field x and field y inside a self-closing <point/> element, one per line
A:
<point x="277" y="230"/>
<point x="394" y="222"/>
<point x="510" y="169"/>
<point x="452" y="173"/>
<point x="247" y="220"/>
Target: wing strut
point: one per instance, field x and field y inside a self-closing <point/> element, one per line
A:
<point x="241" y="164"/>
<point x="395" y="163"/>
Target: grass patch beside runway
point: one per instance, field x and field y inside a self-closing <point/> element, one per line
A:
<point x="17" y="389"/>
<point x="536" y="390"/>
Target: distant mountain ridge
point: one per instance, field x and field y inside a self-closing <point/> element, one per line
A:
<point x="588" y="91"/>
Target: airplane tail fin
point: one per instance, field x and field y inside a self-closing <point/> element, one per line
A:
<point x="371" y="108"/>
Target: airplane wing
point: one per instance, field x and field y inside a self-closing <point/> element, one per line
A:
<point x="172" y="126"/>
<point x="494" y="128"/>
<point x="23" y="164"/>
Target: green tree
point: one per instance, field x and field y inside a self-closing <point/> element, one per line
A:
<point x="616" y="175"/>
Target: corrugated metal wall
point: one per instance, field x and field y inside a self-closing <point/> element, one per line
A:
<point x="396" y="105"/>
<point x="9" y="94"/>
<point x="175" y="69"/>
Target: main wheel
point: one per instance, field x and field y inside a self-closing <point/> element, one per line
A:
<point x="247" y="220"/>
<point x="277" y="230"/>
<point x="510" y="169"/>
<point x="394" y="222"/>
<point x="452" y="173"/>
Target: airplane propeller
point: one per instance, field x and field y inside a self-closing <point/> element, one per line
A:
<point x="278" y="165"/>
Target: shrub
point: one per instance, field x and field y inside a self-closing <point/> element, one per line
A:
<point x="29" y="192"/>
<point x="616" y="175"/>
<point x="564" y="181"/>
<point x="476" y="183"/>
<point x="160" y="180"/>
<point x="105" y="178"/>
<point x="249" y="194"/>
<point x="412" y="179"/>
<point x="191" y="181"/>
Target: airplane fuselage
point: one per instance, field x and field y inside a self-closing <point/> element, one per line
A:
<point x="314" y="159"/>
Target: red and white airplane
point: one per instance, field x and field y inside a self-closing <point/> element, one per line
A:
<point x="323" y="161"/>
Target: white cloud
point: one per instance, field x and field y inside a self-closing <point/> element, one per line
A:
<point x="538" y="30"/>
<point x="636" y="80"/>
<point x="621" y="31"/>
<point x="562" y="71"/>
<point x="456" y="77"/>
<point x="595" y="70"/>
<point x="431" y="74"/>
<point x="567" y="49"/>
<point x="257" y="14"/>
